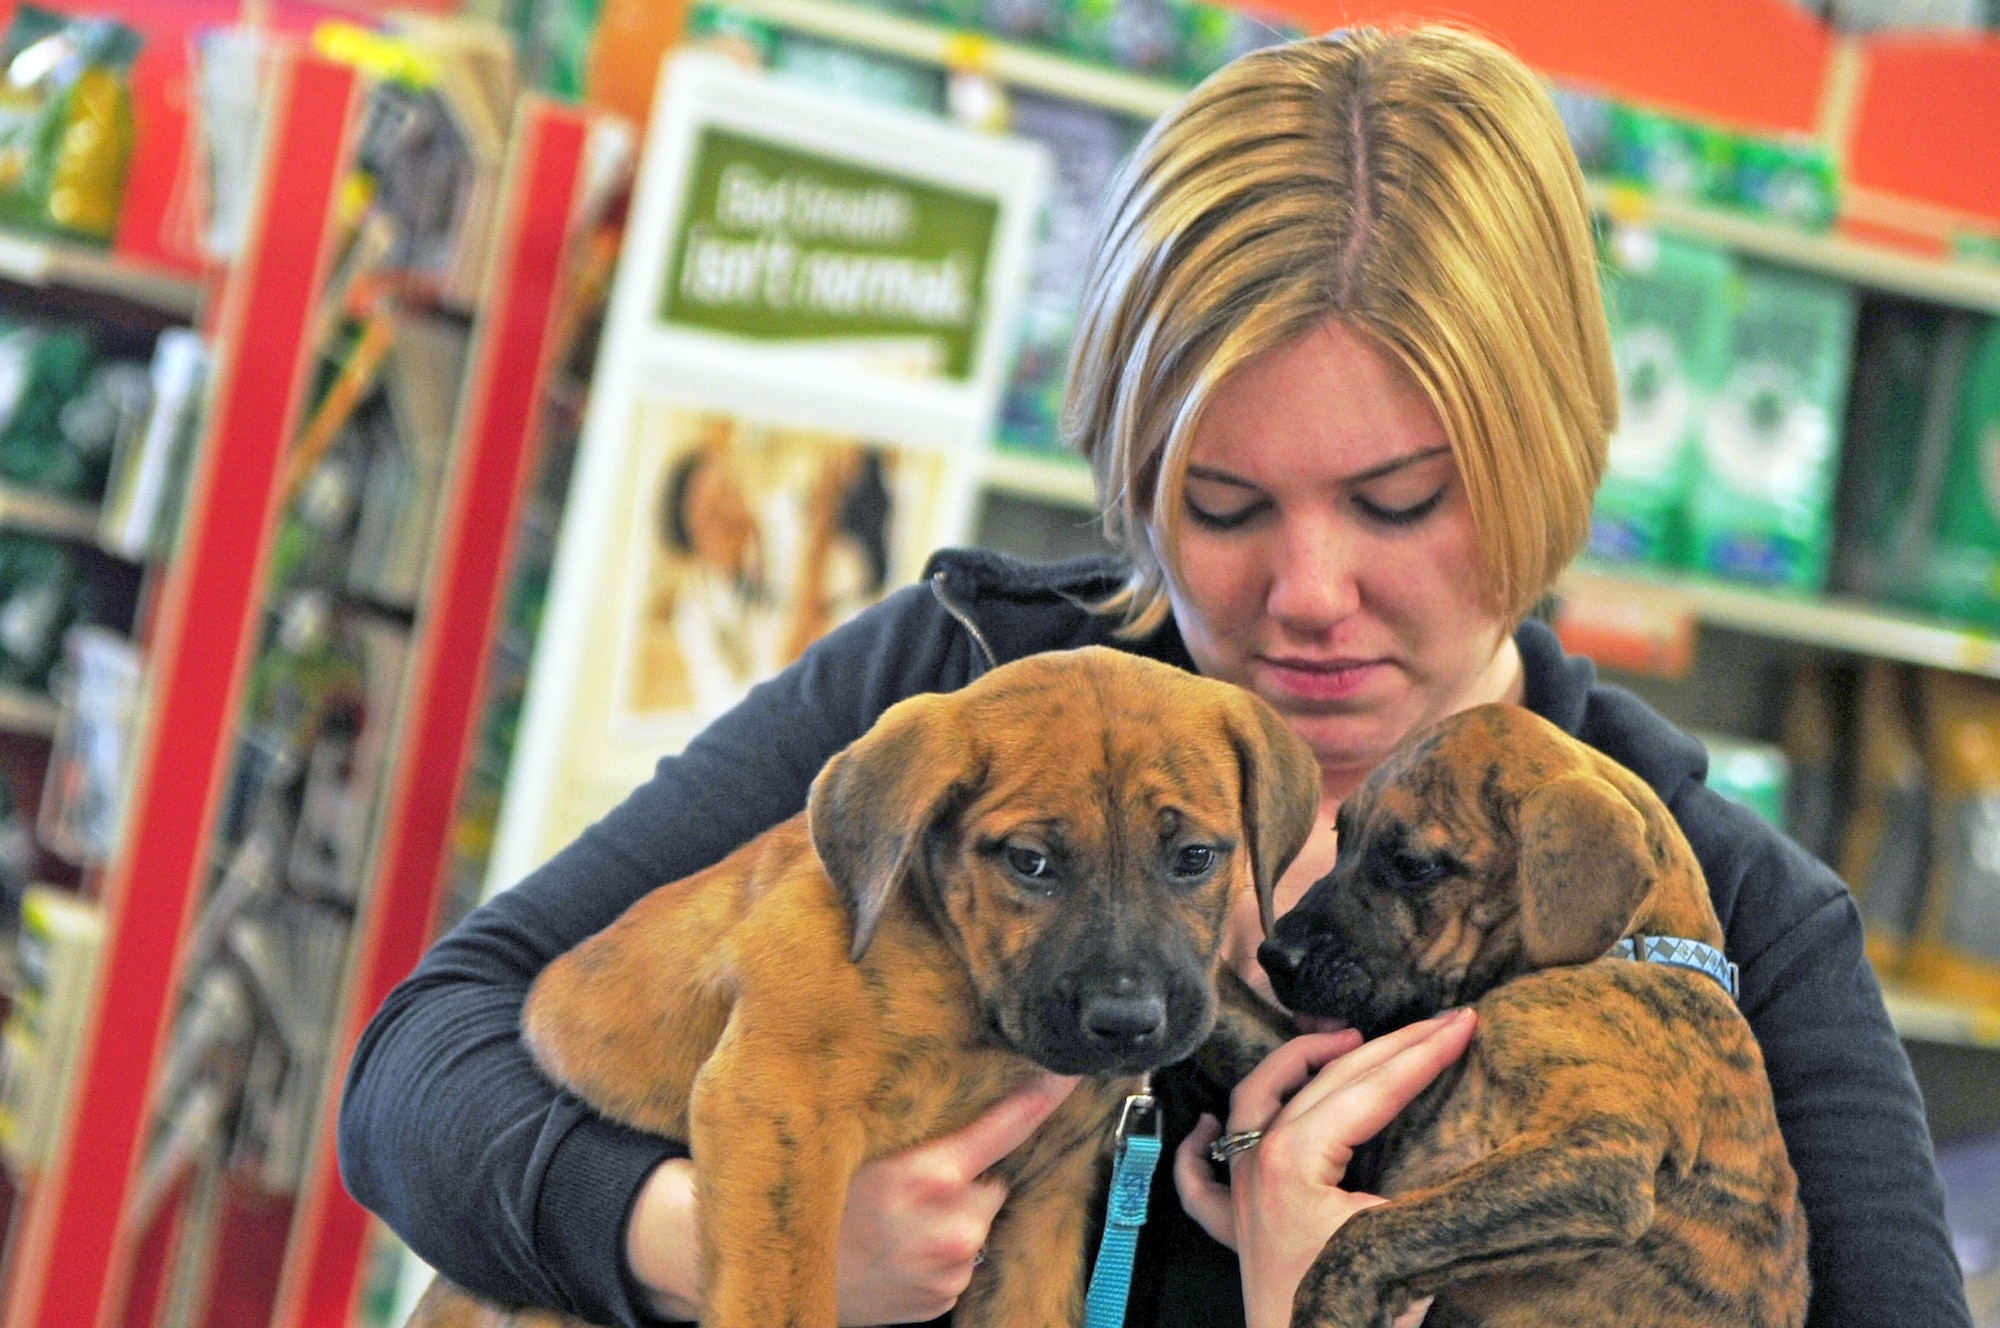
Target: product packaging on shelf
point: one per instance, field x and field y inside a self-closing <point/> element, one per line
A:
<point x="1674" y="158"/>
<point x="1762" y="502"/>
<point x="1755" y="774"/>
<point x="60" y="938"/>
<point x="1899" y="422"/>
<point x="1886" y="855"/>
<point x="65" y="122"/>
<point x="1960" y="577"/>
<point x="1955" y="951"/>
<point x="1670" y="302"/>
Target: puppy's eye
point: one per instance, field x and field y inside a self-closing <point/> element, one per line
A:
<point x="1030" y="864"/>
<point x="1410" y="870"/>
<point x="1193" y="861"/>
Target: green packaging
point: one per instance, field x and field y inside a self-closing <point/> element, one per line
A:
<point x="1138" y="36"/>
<point x="1762" y="506"/>
<point x="1755" y="774"/>
<point x="1790" y="181"/>
<point x="1670" y="157"/>
<point x="65" y="121"/>
<point x="1211" y="35"/>
<point x="1669" y="300"/>
<point x="1961" y="575"/>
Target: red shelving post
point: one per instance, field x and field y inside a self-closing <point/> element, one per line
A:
<point x="73" y="1252"/>
<point x="499" y="419"/>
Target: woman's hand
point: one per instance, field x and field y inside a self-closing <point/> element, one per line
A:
<point x="1316" y="1099"/>
<point x="910" y="1235"/>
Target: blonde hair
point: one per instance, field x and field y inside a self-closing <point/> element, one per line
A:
<point x="1415" y="186"/>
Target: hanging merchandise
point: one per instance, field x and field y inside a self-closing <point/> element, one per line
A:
<point x="1955" y="951"/>
<point x="1762" y="506"/>
<point x="1961" y="574"/>
<point x="1886" y="856"/>
<point x="1670" y="301"/>
<point x="65" y="121"/>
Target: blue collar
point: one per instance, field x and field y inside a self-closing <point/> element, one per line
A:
<point x="1680" y="953"/>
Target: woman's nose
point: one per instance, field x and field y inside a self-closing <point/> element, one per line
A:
<point x="1315" y="579"/>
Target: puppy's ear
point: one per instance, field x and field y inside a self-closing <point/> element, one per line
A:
<point x="1280" y="792"/>
<point x="872" y="804"/>
<point x="1584" y="869"/>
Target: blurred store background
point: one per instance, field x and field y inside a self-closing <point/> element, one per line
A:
<point x="309" y="354"/>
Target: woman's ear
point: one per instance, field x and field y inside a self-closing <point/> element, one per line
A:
<point x="872" y="804"/>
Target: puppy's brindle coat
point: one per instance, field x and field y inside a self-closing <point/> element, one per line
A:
<point x="1032" y="871"/>
<point x="1607" y="1152"/>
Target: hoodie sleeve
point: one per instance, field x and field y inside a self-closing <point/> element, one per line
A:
<point x="448" y="1131"/>
<point x="1848" y="1105"/>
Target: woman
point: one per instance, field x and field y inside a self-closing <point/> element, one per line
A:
<point x="1343" y="377"/>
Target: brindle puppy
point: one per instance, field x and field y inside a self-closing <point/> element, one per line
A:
<point x="1033" y="871"/>
<point x="1607" y="1152"/>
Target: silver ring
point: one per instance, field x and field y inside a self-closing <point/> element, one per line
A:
<point x="1229" y="1145"/>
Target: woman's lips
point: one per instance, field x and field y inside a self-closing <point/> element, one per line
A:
<point x="1316" y="680"/>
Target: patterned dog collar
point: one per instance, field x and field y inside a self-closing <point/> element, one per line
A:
<point x="1680" y="953"/>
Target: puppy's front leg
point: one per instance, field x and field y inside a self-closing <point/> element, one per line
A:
<point x="773" y="1161"/>
<point x="1537" y="1200"/>
<point x="1033" y="1273"/>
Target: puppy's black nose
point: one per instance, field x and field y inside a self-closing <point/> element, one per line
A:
<point x="1282" y="957"/>
<point x="1123" y="1021"/>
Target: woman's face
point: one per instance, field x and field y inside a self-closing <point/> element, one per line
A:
<point x="1327" y="557"/>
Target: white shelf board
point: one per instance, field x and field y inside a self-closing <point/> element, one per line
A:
<point x="36" y="262"/>
<point x="1922" y="1018"/>
<point x="1835" y="624"/>
<point x="1963" y="285"/>
<point x="23" y="711"/>
<point x="1062" y="480"/>
<point x="1021" y="66"/>
<point x="22" y="509"/>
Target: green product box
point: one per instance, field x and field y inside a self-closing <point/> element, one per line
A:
<point x="1755" y="774"/>
<point x="1673" y="158"/>
<point x="1669" y="301"/>
<point x="1788" y="181"/>
<point x="1138" y="36"/>
<point x="1762" y="506"/>
<point x="856" y="73"/>
<point x="1209" y="36"/>
<point x="1961" y="577"/>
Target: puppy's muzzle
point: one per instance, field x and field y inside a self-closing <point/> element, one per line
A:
<point x="1312" y="971"/>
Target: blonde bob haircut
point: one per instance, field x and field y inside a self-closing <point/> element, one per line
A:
<point x="1415" y="186"/>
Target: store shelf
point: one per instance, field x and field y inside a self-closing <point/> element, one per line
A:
<point x="1962" y="285"/>
<point x="924" y="43"/>
<point x="23" y="711"/>
<point x="1835" y="624"/>
<point x="1042" y="476"/>
<point x="1922" y="1018"/>
<point x="23" y="509"/>
<point x="34" y="262"/>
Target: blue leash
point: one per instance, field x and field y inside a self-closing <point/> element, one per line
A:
<point x="1136" y="1156"/>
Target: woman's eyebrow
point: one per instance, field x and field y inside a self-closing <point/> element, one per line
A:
<point x="1390" y="467"/>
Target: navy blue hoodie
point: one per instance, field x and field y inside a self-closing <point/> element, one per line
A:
<point x="514" y="1189"/>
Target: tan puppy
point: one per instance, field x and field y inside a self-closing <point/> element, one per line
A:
<point x="1033" y="871"/>
<point x="1607" y="1153"/>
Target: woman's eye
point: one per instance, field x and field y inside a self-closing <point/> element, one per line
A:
<point x="1228" y="520"/>
<point x="1400" y="516"/>
<point x="1030" y="864"/>
<point x="1194" y="860"/>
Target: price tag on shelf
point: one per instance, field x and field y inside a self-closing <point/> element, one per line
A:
<point x="1627" y="625"/>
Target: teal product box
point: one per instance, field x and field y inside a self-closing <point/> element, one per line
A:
<point x="1138" y="36"/>
<point x="1961" y="577"/>
<point x="1211" y="35"/>
<point x="1762" y="504"/>
<point x="1670" y="302"/>
<point x="1755" y="774"/>
<point x="1673" y="158"/>
<point x="858" y="74"/>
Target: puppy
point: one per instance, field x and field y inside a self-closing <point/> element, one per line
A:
<point x="1607" y="1152"/>
<point x="1031" y="872"/>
